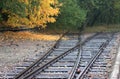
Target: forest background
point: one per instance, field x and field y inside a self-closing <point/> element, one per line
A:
<point x="100" y="15"/>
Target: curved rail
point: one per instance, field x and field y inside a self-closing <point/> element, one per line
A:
<point x="43" y="66"/>
<point x="102" y="47"/>
<point x="32" y="66"/>
<point x="71" y="76"/>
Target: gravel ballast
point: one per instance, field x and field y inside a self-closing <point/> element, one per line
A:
<point x="13" y="54"/>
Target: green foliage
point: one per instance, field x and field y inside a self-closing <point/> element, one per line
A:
<point x="117" y="11"/>
<point x="0" y="18"/>
<point x="71" y="15"/>
<point x="13" y="7"/>
<point x="101" y="11"/>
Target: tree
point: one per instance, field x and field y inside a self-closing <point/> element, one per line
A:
<point x="71" y="15"/>
<point x="100" y="11"/>
<point x="117" y="11"/>
<point x="29" y="13"/>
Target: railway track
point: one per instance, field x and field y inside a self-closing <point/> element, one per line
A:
<point x="66" y="42"/>
<point x="64" y="68"/>
<point x="64" y="59"/>
<point x="69" y="59"/>
<point x="93" y="61"/>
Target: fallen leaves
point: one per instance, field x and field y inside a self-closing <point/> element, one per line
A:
<point x="14" y="36"/>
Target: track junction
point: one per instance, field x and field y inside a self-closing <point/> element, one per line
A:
<point x="71" y="58"/>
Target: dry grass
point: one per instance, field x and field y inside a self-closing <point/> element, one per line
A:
<point x="26" y="35"/>
<point x="103" y="28"/>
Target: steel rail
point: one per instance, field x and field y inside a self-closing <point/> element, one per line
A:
<point x="78" y="58"/>
<point x="71" y="76"/>
<point x="43" y="66"/>
<point x="38" y="61"/>
<point x="102" y="47"/>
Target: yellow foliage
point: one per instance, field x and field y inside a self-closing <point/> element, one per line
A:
<point x="26" y="35"/>
<point x="47" y="11"/>
<point x="37" y="13"/>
